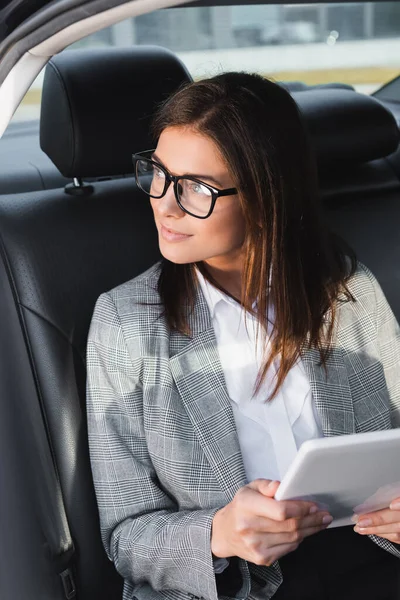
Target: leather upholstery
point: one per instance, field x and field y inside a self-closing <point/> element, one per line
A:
<point x="97" y="105"/>
<point x="90" y="127"/>
<point x="370" y="223"/>
<point x="59" y="252"/>
<point x="347" y="127"/>
<point x="298" y="86"/>
<point x="62" y="253"/>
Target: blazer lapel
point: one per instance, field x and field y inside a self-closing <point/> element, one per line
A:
<point x="331" y="391"/>
<point x="198" y="375"/>
<point x="197" y="371"/>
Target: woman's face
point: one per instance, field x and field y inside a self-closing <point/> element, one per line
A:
<point x="216" y="240"/>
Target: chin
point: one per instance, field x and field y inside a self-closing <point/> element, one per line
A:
<point x="179" y="257"/>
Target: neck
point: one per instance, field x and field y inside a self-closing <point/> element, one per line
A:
<point x="229" y="279"/>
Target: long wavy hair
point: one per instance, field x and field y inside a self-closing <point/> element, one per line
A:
<point x="291" y="261"/>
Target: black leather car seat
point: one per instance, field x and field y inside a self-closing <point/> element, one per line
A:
<point x="60" y="250"/>
<point x="354" y="137"/>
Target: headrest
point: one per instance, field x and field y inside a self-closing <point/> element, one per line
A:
<point x="97" y="105"/>
<point x="346" y="126"/>
<point x="300" y="86"/>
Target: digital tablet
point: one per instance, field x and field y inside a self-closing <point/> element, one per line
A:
<point x="346" y="474"/>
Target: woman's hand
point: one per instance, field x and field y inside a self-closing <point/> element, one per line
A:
<point x="259" y="529"/>
<point x="384" y="523"/>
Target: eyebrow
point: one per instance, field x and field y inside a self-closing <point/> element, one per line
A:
<point x="194" y="175"/>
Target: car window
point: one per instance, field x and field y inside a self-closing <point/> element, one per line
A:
<point x="354" y="43"/>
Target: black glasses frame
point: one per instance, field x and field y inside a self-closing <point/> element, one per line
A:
<point x="215" y="192"/>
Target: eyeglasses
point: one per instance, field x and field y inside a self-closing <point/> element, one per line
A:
<point x="193" y="196"/>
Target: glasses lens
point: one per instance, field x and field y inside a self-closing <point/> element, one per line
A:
<point x="195" y="197"/>
<point x="150" y="177"/>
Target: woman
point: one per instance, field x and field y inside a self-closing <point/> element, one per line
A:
<point x="258" y="330"/>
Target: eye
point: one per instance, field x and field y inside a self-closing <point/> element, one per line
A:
<point x="198" y="188"/>
<point x="158" y="172"/>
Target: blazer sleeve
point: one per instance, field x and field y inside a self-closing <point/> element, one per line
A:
<point x="388" y="336"/>
<point x="143" y="532"/>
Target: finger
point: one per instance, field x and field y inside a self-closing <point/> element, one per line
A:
<point x="293" y="537"/>
<point x="395" y="504"/>
<point x="313" y="530"/>
<point x="277" y="552"/>
<point x="266" y="487"/>
<point x="261" y="505"/>
<point x="273" y="545"/>
<point x="388" y="528"/>
<point x="280" y="510"/>
<point x="281" y="544"/>
<point x="318" y="520"/>
<point x="265" y="525"/>
<point x="378" y="518"/>
<point x="384" y="532"/>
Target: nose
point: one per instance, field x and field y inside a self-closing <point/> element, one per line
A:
<point x="167" y="206"/>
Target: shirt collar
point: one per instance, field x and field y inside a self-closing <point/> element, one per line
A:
<point x="213" y="295"/>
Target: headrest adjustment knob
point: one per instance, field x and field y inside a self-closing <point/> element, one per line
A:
<point x="79" y="188"/>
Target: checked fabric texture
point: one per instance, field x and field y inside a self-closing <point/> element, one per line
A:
<point x="164" y="450"/>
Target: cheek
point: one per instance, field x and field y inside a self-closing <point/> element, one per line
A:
<point x="153" y="206"/>
<point x="221" y="236"/>
<point x="154" y="203"/>
<point x="218" y="235"/>
<point x="229" y="229"/>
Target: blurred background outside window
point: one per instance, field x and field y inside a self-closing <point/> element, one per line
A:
<point x="355" y="43"/>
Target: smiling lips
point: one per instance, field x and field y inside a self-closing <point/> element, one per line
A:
<point x="173" y="236"/>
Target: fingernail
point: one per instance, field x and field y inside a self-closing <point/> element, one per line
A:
<point x="271" y="483"/>
<point x="360" y="530"/>
<point x="313" y="510"/>
<point x="327" y="519"/>
<point x="395" y="505"/>
<point x="354" y="518"/>
<point x="364" y="523"/>
<point x="357" y="529"/>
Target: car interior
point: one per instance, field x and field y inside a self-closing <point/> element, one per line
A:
<point x="73" y="225"/>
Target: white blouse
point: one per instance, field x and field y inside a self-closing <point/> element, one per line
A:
<point x="270" y="433"/>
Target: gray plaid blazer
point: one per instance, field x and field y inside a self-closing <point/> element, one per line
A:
<point x="163" y="444"/>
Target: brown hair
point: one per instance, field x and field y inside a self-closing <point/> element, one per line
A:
<point x="290" y="259"/>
